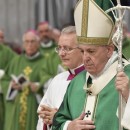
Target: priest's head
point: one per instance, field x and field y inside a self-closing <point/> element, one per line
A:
<point x="94" y="29"/>
<point x="44" y="30"/>
<point x="68" y="48"/>
<point x="31" y="42"/>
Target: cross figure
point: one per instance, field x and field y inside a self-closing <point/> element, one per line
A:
<point x="27" y="71"/>
<point x="88" y="113"/>
<point x="89" y="92"/>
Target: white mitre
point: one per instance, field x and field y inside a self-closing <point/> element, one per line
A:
<point x="93" y="25"/>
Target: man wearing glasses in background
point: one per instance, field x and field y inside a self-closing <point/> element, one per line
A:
<point x="71" y="57"/>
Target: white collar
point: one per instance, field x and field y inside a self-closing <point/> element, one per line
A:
<point x="46" y="45"/>
<point x="33" y="57"/>
<point x="73" y="70"/>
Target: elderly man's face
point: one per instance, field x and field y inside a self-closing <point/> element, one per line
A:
<point x="95" y="57"/>
<point x="31" y="44"/>
<point x="69" y="53"/>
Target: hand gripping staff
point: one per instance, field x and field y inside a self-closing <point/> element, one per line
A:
<point x="118" y="13"/>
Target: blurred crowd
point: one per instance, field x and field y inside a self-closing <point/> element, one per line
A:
<point x="33" y="64"/>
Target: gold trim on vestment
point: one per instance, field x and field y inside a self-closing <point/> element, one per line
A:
<point x="23" y="100"/>
<point x="95" y="108"/>
<point x="84" y="27"/>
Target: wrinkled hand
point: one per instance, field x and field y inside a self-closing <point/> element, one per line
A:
<point x="80" y="124"/>
<point x="33" y="87"/>
<point x="122" y="84"/>
<point x="47" y="114"/>
<point x="15" y="85"/>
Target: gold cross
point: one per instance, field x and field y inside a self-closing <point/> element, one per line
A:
<point x="27" y="71"/>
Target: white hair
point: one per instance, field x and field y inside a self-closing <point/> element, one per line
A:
<point x="36" y="36"/>
<point x="68" y="30"/>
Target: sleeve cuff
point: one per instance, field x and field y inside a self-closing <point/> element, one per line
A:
<point x="66" y="125"/>
<point x="123" y="107"/>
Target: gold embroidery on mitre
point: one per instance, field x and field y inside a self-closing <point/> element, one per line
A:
<point x="85" y="18"/>
<point x="93" y="41"/>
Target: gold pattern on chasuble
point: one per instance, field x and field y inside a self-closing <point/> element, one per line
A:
<point x="27" y="71"/>
<point x="47" y="54"/>
<point x="23" y="100"/>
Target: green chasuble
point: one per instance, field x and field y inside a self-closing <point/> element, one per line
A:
<point x="105" y="5"/>
<point x="126" y="48"/>
<point x="73" y="104"/>
<point x="47" y="50"/>
<point x="6" y="55"/>
<point x="1" y="111"/>
<point x="21" y="112"/>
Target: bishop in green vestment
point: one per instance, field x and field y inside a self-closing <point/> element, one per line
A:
<point x="25" y="86"/>
<point x="91" y="101"/>
<point x="47" y="43"/>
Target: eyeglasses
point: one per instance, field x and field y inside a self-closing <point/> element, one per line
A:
<point x="65" y="49"/>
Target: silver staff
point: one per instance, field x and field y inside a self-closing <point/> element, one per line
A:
<point x="118" y="13"/>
